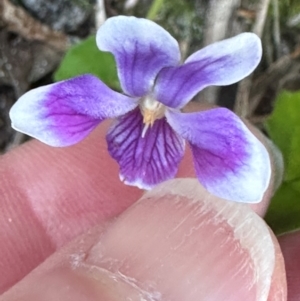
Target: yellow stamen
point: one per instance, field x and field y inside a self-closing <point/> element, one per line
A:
<point x="149" y="116"/>
<point x="151" y="110"/>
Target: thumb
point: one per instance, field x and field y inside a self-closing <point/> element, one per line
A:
<point x="177" y="243"/>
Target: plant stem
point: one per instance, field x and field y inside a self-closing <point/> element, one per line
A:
<point x="100" y="15"/>
<point x="154" y="9"/>
<point x="276" y="27"/>
<point x="241" y="107"/>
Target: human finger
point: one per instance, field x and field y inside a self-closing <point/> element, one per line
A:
<point x="290" y="245"/>
<point x="178" y="242"/>
<point x="50" y="195"/>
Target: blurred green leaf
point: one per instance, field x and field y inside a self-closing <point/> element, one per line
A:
<point x="288" y="9"/>
<point x="284" y="129"/>
<point x="87" y="58"/>
<point x="284" y="212"/>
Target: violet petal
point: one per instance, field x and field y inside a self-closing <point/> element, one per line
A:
<point x="220" y="64"/>
<point x="63" y="113"/>
<point x="230" y="161"/>
<point x="144" y="161"/>
<point x="141" y="49"/>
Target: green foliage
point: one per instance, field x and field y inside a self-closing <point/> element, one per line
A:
<point x="284" y="129"/>
<point x="284" y="212"/>
<point x="87" y="58"/>
<point x="288" y="9"/>
<point x="182" y="19"/>
<point x="154" y="9"/>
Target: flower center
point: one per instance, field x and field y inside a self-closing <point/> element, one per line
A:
<point x="151" y="110"/>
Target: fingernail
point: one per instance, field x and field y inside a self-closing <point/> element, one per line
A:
<point x="177" y="243"/>
<point x="181" y="243"/>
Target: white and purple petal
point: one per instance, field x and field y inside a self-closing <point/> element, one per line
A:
<point x="230" y="161"/>
<point x="220" y="64"/>
<point x="141" y="49"/>
<point x="64" y="113"/>
<point x="148" y="160"/>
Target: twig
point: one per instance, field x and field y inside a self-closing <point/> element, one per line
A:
<point x="100" y="14"/>
<point x="247" y="14"/>
<point x="276" y="27"/>
<point x="16" y="19"/>
<point x="261" y="16"/>
<point x="271" y="78"/>
<point x="257" y="120"/>
<point x="218" y="17"/>
<point x="242" y="99"/>
<point x="154" y="9"/>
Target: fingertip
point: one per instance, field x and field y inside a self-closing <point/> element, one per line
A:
<point x="278" y="289"/>
<point x="290" y="245"/>
<point x="159" y="248"/>
<point x="51" y="195"/>
<point x="77" y="185"/>
<point x="170" y="226"/>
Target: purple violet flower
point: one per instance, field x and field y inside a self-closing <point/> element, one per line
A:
<point x="148" y="136"/>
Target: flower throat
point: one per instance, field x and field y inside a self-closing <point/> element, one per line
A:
<point x="151" y="110"/>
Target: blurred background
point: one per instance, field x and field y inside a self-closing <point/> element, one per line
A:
<point x="44" y="41"/>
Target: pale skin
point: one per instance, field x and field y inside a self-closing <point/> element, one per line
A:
<point x="59" y="209"/>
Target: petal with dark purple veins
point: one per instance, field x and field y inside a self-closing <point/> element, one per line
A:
<point x="230" y="161"/>
<point x="220" y="64"/>
<point x="63" y="113"/>
<point x="144" y="161"/>
<point x="141" y="49"/>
